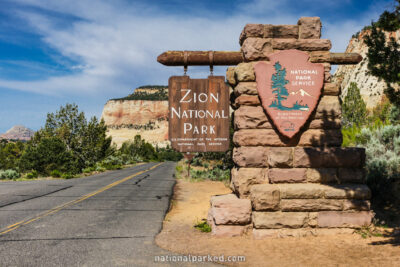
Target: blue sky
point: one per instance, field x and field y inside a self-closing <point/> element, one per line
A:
<point x="54" y="52"/>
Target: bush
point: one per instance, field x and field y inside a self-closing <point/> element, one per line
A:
<point x="9" y="174"/>
<point x="32" y="174"/>
<point x="67" y="176"/>
<point x="382" y="158"/>
<point x="55" y="174"/>
<point x="216" y="174"/>
<point x="203" y="226"/>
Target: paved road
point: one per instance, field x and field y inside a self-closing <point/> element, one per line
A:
<point x="109" y="219"/>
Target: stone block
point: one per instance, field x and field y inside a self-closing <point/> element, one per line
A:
<point x="228" y="209"/>
<point x="230" y="76"/>
<point x="242" y="179"/>
<point x="302" y="44"/>
<point x="251" y="30"/>
<point x="327" y="123"/>
<point x="257" y="48"/>
<point x="258" y="137"/>
<point x="249" y="88"/>
<point x="321" y="137"/>
<point x="281" y="31"/>
<point x="355" y="204"/>
<point x="244" y="72"/>
<point x="351" y="175"/>
<point x="254" y="117"/>
<point x="265" y="197"/>
<point x="251" y="117"/>
<point x="289" y="175"/>
<point x="309" y="27"/>
<point x="327" y="76"/>
<point x="331" y="89"/>
<point x="268" y="31"/>
<point x="328" y="107"/>
<point x="276" y="220"/>
<point x="311" y="204"/>
<point x="348" y="191"/>
<point x="333" y="157"/>
<point x="251" y="156"/>
<point x="301" y="191"/>
<point x="280" y="157"/>
<point x="322" y="175"/>
<point x="331" y="219"/>
<point x="302" y="232"/>
<point x="247" y="100"/>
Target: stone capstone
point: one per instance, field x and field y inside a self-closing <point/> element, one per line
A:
<point x="309" y="27"/>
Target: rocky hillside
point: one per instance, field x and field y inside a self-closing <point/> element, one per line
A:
<point x="144" y="112"/>
<point x="371" y="88"/>
<point x="18" y="132"/>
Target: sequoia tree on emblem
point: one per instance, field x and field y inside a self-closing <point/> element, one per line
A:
<point x="289" y="87"/>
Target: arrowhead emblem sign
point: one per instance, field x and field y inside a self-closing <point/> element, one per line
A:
<point x="289" y="87"/>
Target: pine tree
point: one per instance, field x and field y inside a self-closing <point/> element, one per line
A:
<point x="354" y="110"/>
<point x="278" y="83"/>
<point x="384" y="55"/>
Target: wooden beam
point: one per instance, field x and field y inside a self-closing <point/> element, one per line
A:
<point x="227" y="58"/>
<point x="200" y="58"/>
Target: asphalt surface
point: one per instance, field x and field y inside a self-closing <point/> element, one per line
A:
<point x="108" y="219"/>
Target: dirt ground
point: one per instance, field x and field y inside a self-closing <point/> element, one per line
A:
<point x="191" y="202"/>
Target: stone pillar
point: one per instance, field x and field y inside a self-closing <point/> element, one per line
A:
<point x="308" y="184"/>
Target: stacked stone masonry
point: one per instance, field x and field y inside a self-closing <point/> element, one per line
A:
<point x="306" y="185"/>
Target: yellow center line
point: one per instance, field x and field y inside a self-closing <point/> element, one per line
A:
<point x="72" y="202"/>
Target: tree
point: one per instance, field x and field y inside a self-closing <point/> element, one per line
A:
<point x="86" y="141"/>
<point x="278" y="83"/>
<point x="384" y="55"/>
<point x="354" y="108"/>
<point x="49" y="154"/>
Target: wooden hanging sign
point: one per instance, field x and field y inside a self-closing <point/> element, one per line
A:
<point x="289" y="87"/>
<point x="198" y="114"/>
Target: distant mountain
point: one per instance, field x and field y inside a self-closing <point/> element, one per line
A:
<point x="301" y="92"/>
<point x="18" y="132"/>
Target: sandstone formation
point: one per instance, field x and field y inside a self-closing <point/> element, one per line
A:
<point x="126" y="118"/>
<point x="18" y="132"/>
<point x="371" y="88"/>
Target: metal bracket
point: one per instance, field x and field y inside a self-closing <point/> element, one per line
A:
<point x="211" y="59"/>
<point x="185" y="62"/>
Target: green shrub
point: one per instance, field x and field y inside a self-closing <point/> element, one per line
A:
<point x="216" y="174"/>
<point x="55" y="174"/>
<point x="67" y="176"/>
<point x="9" y="174"/>
<point x="203" y="226"/>
<point x="382" y="158"/>
<point x="32" y="174"/>
<point x="89" y="169"/>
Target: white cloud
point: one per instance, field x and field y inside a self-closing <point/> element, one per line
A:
<point x="116" y="43"/>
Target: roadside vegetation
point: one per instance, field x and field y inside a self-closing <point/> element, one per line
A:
<point x="70" y="146"/>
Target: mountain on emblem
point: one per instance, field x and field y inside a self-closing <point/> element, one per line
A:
<point x="289" y="87"/>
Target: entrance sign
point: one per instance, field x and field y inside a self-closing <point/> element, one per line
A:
<point x="289" y="87"/>
<point x="198" y="114"/>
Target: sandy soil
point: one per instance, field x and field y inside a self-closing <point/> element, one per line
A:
<point x="191" y="202"/>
